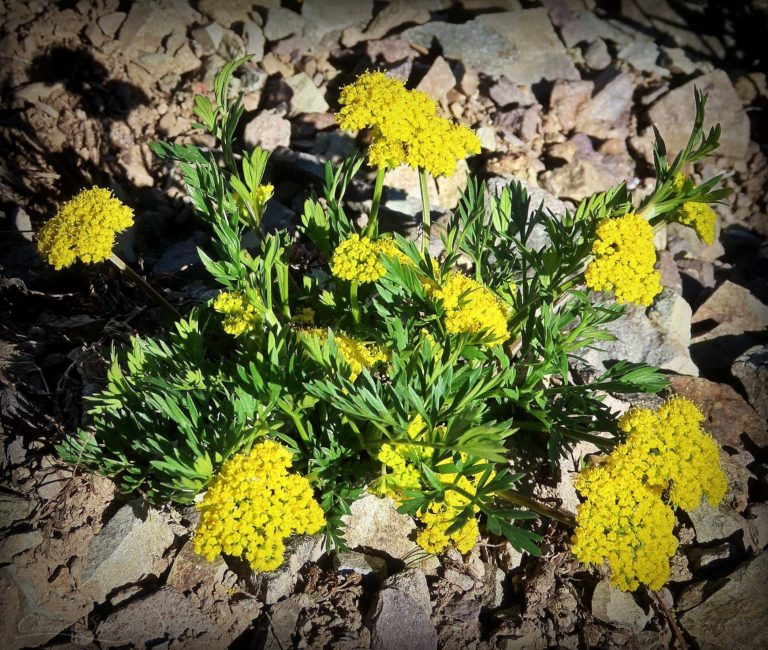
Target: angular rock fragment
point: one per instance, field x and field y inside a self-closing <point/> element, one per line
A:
<point x="500" y="44"/>
<point x="398" y="621"/>
<point x="673" y="115"/>
<point x="735" y="615"/>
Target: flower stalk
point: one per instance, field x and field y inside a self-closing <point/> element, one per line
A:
<point x="145" y="286"/>
<point x="372" y="229"/>
<point x="354" y="302"/>
<point x="426" y="222"/>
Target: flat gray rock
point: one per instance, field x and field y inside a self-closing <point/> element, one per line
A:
<point x="751" y="369"/>
<point x="640" y="341"/>
<point x="734" y="616"/>
<point x="673" y="115"/>
<point x="397" y="621"/>
<point x="501" y="44"/>
<point x="128" y="548"/>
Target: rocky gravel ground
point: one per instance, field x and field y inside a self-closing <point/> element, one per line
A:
<point x="563" y="94"/>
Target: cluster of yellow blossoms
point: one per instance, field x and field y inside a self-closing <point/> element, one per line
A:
<point x="471" y="308"/>
<point x="84" y="228"/>
<point x="240" y="315"/>
<point x="402" y="461"/>
<point x="624" y="258"/>
<point x="356" y="354"/>
<point x="253" y="505"/>
<point x="405" y="126"/>
<point x="627" y="517"/>
<point x="699" y="216"/>
<point x="358" y="259"/>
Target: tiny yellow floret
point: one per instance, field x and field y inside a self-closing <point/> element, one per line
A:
<point x="624" y="258"/>
<point x="253" y="505"/>
<point x="84" y="228"/>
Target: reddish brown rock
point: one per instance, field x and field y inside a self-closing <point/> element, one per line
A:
<point x="728" y="414"/>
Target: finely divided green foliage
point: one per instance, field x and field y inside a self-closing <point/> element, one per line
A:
<point x="176" y="408"/>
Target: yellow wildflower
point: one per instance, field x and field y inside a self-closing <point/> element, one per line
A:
<point x="357" y="354"/>
<point x="240" y="315"/>
<point x="405" y="126"/>
<point x="440" y="145"/>
<point x="699" y="216"/>
<point x="358" y="259"/>
<point x="84" y="228"/>
<point x="471" y="307"/>
<point x="626" y="523"/>
<point x="253" y="505"/>
<point x="672" y="451"/>
<point x="438" y="518"/>
<point x="402" y="461"/>
<point x="624" y="257"/>
<point x="627" y="517"/>
<point x="306" y="316"/>
<point x="679" y="182"/>
<point x="369" y="101"/>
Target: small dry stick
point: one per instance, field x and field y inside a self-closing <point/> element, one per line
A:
<point x="144" y="285"/>
<point x="662" y="607"/>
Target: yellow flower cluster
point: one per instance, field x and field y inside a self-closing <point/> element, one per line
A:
<point x="624" y="257"/>
<point x="253" y="505"/>
<point x="626" y="523"/>
<point x="672" y="452"/>
<point x="261" y="195"/>
<point x="439" y="517"/>
<point x="402" y="461"/>
<point x="699" y="216"/>
<point x="627" y="517"/>
<point x="471" y="308"/>
<point x="358" y="259"/>
<point x="84" y="228"/>
<point x="405" y="126"/>
<point x="240" y="315"/>
<point x="356" y="354"/>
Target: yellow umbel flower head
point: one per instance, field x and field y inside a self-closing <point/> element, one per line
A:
<point x="405" y="126"/>
<point x="84" y="228"/>
<point x="240" y="315"/>
<point x="471" y="308"/>
<point x="253" y="505"/>
<point x="358" y="259"/>
<point x="624" y="257"/>
<point x="356" y="354"/>
<point x="627" y="517"/>
<point x="624" y="522"/>
<point x="673" y="452"/>
<point x="439" y="517"/>
<point x="699" y="216"/>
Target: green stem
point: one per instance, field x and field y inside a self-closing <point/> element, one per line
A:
<point x="354" y="301"/>
<point x="514" y="497"/>
<point x="145" y="286"/>
<point x="372" y="229"/>
<point x="425" y="214"/>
